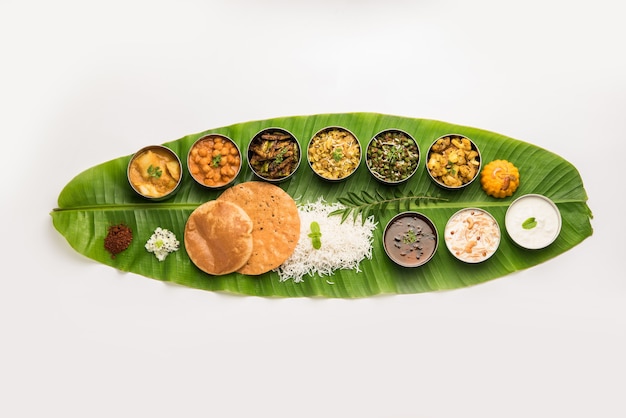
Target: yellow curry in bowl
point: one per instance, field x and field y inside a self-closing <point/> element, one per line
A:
<point x="154" y="172"/>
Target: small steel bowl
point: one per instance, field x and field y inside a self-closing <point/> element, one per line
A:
<point x="155" y="172"/>
<point x="533" y="221"/>
<point x="274" y="155"/>
<point x="472" y="235"/>
<point x="444" y="162"/>
<point x="392" y="156"/>
<point x="214" y="161"/>
<point x="410" y="239"/>
<point x="334" y="153"/>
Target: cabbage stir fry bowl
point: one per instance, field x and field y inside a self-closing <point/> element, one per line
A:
<point x="453" y="161"/>
<point x="334" y="153"/>
<point x="392" y="156"/>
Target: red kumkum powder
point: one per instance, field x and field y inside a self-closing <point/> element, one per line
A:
<point x="118" y="239"/>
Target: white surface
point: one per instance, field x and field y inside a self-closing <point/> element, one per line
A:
<point x="85" y="82"/>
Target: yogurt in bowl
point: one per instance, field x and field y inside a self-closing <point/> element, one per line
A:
<point x="533" y="221"/>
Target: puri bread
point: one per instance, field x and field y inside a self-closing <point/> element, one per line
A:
<point x="218" y="237"/>
<point x="276" y="223"/>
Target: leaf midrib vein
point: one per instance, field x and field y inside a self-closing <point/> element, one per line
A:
<point x="135" y="206"/>
<point x="192" y="206"/>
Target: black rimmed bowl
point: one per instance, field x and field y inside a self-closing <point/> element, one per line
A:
<point x="533" y="221"/>
<point x="214" y="161"/>
<point x="453" y="161"/>
<point x="410" y="239"/>
<point x="392" y="156"/>
<point x="334" y="153"/>
<point x="274" y="154"/>
<point x="472" y="235"/>
<point x="155" y="172"/>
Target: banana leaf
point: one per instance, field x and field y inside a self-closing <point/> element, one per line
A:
<point x="101" y="196"/>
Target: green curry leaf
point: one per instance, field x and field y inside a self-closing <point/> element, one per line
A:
<point x="315" y="235"/>
<point x="529" y="223"/>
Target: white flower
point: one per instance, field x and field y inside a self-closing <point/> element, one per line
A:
<point x="161" y="243"/>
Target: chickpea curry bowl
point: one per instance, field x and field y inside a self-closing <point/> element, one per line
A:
<point x="274" y="154"/>
<point x="392" y="156"/>
<point x="334" y="153"/>
<point x="214" y="161"/>
<point x="453" y="161"/>
<point x="155" y="172"/>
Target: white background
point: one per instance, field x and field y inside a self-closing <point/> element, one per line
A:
<point x="84" y="82"/>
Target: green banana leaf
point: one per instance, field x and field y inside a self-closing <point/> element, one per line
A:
<point x="100" y="196"/>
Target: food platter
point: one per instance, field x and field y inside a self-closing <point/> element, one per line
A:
<point x="100" y="197"/>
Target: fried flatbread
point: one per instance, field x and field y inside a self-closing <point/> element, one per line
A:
<point x="218" y="237"/>
<point x="276" y="223"/>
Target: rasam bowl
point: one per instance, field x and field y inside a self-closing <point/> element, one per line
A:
<point x="410" y="239"/>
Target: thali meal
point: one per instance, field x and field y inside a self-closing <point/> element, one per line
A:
<point x="274" y="154"/>
<point x="154" y="172"/>
<point x="334" y="153"/>
<point x="453" y="161"/>
<point x="254" y="226"/>
<point x="472" y="235"/>
<point x="392" y="156"/>
<point x="214" y="161"/>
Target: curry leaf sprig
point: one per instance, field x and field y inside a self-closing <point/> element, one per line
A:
<point x="366" y="203"/>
